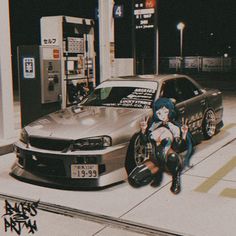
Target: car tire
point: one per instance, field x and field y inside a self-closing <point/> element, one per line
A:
<point x="209" y="124"/>
<point x="137" y="152"/>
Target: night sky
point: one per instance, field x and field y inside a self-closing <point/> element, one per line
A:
<point x="210" y="24"/>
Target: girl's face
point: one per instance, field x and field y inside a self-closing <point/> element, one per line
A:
<point x="163" y="114"/>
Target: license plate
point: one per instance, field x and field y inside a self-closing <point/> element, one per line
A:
<point x="89" y="171"/>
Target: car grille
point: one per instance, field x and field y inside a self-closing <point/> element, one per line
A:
<point x="50" y="166"/>
<point x="44" y="166"/>
<point x="50" y="144"/>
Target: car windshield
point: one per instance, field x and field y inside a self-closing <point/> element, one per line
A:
<point x="132" y="94"/>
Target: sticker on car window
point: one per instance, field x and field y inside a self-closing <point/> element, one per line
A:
<point x="141" y="93"/>
<point x="135" y="103"/>
<point x="138" y="98"/>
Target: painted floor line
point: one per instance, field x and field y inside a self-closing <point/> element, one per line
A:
<point x="94" y="217"/>
<point x="210" y="154"/>
<point x="217" y="176"/>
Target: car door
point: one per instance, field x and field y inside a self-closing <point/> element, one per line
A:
<point x="195" y="103"/>
<point x="169" y="90"/>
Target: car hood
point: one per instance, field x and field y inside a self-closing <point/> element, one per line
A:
<point x="80" y="122"/>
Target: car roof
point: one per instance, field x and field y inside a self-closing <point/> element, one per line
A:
<point x="156" y="78"/>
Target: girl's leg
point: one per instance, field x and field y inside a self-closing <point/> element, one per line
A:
<point x="174" y="166"/>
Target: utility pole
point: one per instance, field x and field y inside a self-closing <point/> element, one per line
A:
<point x="105" y="27"/>
<point x="6" y="93"/>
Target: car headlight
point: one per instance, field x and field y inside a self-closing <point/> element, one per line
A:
<point x="24" y="137"/>
<point x="93" y="143"/>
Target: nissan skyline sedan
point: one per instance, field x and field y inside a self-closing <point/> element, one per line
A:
<point x="85" y="145"/>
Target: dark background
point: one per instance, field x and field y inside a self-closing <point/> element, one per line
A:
<point x="210" y="25"/>
<point x="202" y="17"/>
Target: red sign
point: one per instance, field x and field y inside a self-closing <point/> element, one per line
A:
<point x="56" y="53"/>
<point x="150" y="3"/>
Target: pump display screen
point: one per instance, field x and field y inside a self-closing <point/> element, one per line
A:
<point x="70" y="65"/>
<point x="75" y="45"/>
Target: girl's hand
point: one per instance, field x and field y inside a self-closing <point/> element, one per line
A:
<point x="184" y="128"/>
<point x="144" y="124"/>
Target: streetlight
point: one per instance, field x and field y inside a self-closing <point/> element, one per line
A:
<point x="180" y="27"/>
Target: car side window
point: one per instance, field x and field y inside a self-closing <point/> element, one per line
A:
<point x="186" y="89"/>
<point x="169" y="90"/>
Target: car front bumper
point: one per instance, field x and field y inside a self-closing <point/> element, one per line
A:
<point x="53" y="168"/>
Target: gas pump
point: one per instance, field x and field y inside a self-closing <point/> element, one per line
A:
<point x="75" y="39"/>
<point x="59" y="72"/>
<point x="39" y="70"/>
<point x="50" y="74"/>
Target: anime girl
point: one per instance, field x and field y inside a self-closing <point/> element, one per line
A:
<point x="168" y="137"/>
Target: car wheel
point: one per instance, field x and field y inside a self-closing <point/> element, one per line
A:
<point x="137" y="153"/>
<point x="209" y="124"/>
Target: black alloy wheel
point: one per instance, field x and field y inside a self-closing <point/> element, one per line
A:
<point x="137" y="153"/>
<point x="209" y="124"/>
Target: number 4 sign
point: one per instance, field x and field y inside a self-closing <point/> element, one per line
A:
<point x="118" y="11"/>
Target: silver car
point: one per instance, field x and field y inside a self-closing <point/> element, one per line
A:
<point x="85" y="146"/>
